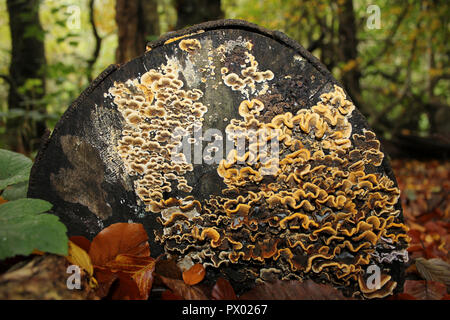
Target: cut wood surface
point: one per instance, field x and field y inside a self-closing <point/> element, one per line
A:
<point x="324" y="205"/>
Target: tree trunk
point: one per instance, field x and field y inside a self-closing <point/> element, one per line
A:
<point x="137" y="21"/>
<point x="348" y="45"/>
<point x="27" y="75"/>
<point x="191" y="12"/>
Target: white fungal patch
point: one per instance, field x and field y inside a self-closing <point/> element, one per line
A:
<point x="157" y="113"/>
<point x="250" y="80"/>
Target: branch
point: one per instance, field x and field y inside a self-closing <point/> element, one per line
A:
<point x="404" y="90"/>
<point x="6" y="78"/>
<point x="389" y="41"/>
<point x="98" y="41"/>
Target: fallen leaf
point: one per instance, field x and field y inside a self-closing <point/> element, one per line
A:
<point x="140" y="269"/>
<point x="194" y="275"/>
<point x="119" y="238"/>
<point x="79" y="257"/>
<point x="434" y="270"/>
<point x="184" y="290"/>
<point x="3" y="200"/>
<point x="223" y="290"/>
<point x="401" y="296"/>
<point x="169" y="295"/>
<point x="105" y="279"/>
<point x="126" y="289"/>
<point x="425" y="290"/>
<point x="82" y="242"/>
<point x="293" y="290"/>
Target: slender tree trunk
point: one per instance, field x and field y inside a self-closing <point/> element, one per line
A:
<point x="196" y="11"/>
<point x="137" y="21"/>
<point x="27" y="74"/>
<point x="348" y="45"/>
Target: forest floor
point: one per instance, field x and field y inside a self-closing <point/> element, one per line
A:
<point x="425" y="197"/>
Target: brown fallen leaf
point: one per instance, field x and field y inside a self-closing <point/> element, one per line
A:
<point x="119" y="238"/>
<point x="105" y="279"/>
<point x="169" y="295"/>
<point x="121" y="252"/>
<point x="293" y="290"/>
<point x="140" y="269"/>
<point x="82" y="242"/>
<point x="126" y="289"/>
<point x="223" y="290"/>
<point x="401" y="296"/>
<point x="184" y="290"/>
<point x="194" y="275"/>
<point x="434" y="270"/>
<point x="425" y="290"/>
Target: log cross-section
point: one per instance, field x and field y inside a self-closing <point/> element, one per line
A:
<point x="237" y="149"/>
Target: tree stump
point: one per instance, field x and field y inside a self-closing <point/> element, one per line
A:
<point x="237" y="149"/>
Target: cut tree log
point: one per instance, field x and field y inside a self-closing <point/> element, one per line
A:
<point x="237" y="149"/>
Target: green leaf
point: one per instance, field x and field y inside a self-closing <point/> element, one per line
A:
<point x="16" y="191"/>
<point x="14" y="168"/>
<point x="24" y="227"/>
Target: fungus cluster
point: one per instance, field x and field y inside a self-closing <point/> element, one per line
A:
<point x="190" y="45"/>
<point x="317" y="206"/>
<point x="157" y="114"/>
<point x="249" y="76"/>
<point x="318" y="210"/>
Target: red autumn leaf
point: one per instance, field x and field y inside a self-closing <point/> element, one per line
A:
<point x="140" y="269"/>
<point x="126" y="289"/>
<point x="184" y="290"/>
<point x="82" y="242"/>
<point x="119" y="238"/>
<point x="293" y="290"/>
<point x="401" y="296"/>
<point x="169" y="295"/>
<point x="223" y="290"/>
<point x="425" y="290"/>
<point x="194" y="275"/>
<point x="105" y="278"/>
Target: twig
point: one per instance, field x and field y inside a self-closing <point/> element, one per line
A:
<point x="98" y="41"/>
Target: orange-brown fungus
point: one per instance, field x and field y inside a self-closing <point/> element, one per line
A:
<point x="190" y="45"/>
<point x="320" y="208"/>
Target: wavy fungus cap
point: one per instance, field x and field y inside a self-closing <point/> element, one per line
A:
<point x="238" y="150"/>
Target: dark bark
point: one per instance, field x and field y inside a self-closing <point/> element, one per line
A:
<point x="348" y="46"/>
<point x="191" y="12"/>
<point x="137" y="21"/>
<point x="27" y="63"/>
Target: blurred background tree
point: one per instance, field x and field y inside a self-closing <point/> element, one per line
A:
<point x="391" y="56"/>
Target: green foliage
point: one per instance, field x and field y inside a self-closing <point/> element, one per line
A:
<point x="14" y="168"/>
<point x="23" y="224"/>
<point x="24" y="227"/>
<point x="16" y="191"/>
